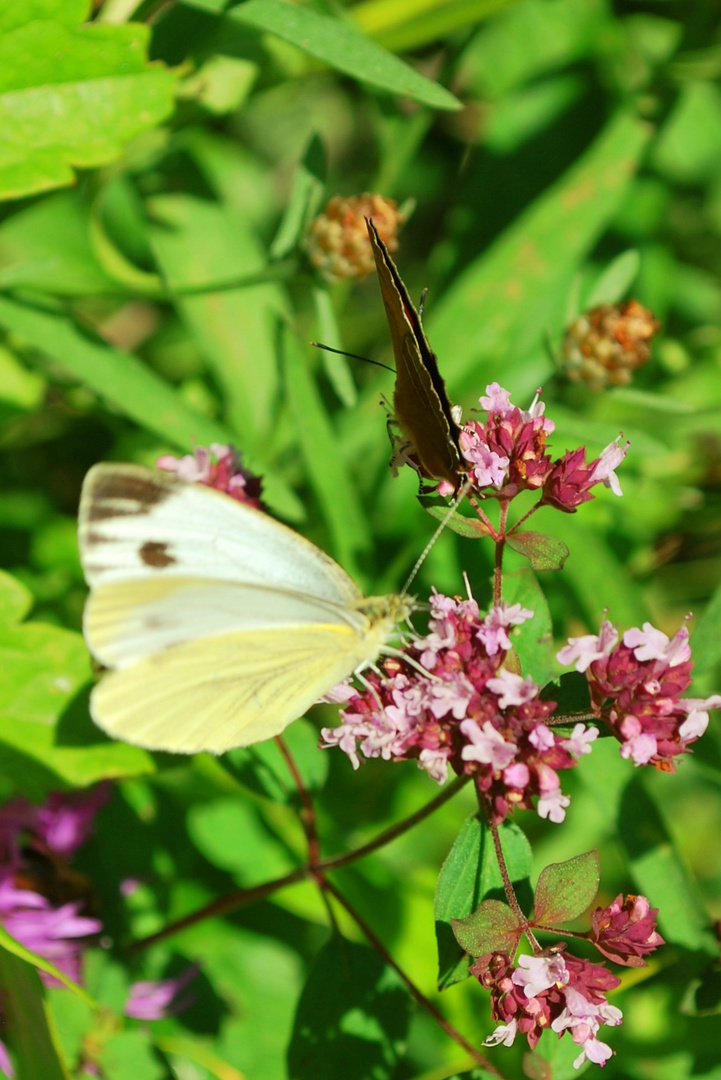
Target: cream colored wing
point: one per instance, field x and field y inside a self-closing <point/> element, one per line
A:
<point x="125" y="621"/>
<point x="231" y="689"/>
<point x="140" y="523"/>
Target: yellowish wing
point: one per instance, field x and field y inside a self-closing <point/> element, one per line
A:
<point x="231" y="689"/>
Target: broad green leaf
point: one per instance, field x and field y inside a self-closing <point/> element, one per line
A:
<point x="468" y="874"/>
<point x="533" y="639"/>
<point x="352" y="1017"/>
<point x="706" y="636"/>
<point x="493" y="927"/>
<point x="565" y="890"/>
<point x="553" y="1058"/>
<point x="128" y="385"/>
<point x="129" y="1055"/>
<point x="263" y="769"/>
<point x="72" y="96"/>
<point x="42" y="670"/>
<point x="216" y="827"/>
<point x="326" y="468"/>
<point x="26" y="1021"/>
<point x="542" y="551"/>
<point x="657" y="869"/>
<point x="470" y="527"/>
<point x="19" y="388"/>
<point x="510" y="287"/>
<point x="198" y="242"/>
<point x="338" y="44"/>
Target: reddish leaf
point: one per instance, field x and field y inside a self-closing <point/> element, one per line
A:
<point x="565" y="890"/>
<point x="492" y="927"/>
<point x="543" y="552"/>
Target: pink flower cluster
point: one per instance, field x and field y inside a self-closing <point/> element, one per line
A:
<point x="452" y="704"/>
<point x="635" y="685"/>
<point x="218" y="467"/>
<point x="625" y="931"/>
<point x="507" y="455"/>
<point x="553" y="990"/>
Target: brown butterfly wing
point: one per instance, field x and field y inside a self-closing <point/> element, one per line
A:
<point x="420" y="401"/>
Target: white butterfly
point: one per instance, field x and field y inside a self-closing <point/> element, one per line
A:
<point x="220" y="625"/>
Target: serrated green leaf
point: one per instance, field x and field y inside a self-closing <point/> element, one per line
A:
<point x="469" y="873"/>
<point x="542" y="551"/>
<point x="71" y="97"/>
<point x="565" y="890"/>
<point x="352" y="1017"/>
<point x="338" y="44"/>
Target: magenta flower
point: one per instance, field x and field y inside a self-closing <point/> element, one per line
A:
<point x="153" y="1000"/>
<point x="635" y="686"/>
<point x="219" y="467"/>
<point x="30" y="835"/>
<point x="625" y="931"/>
<point x="556" y="991"/>
<point x="462" y="710"/>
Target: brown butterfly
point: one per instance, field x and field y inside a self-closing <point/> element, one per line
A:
<point x="420" y="402"/>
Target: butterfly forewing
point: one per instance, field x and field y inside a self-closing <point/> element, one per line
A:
<point x="420" y="401"/>
<point x="222" y="625"/>
<point x="135" y="522"/>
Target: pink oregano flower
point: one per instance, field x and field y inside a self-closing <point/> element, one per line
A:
<point x="219" y="467"/>
<point x="635" y="685"/>
<point x="456" y="707"/>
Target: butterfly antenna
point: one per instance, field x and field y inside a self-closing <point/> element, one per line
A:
<point x="462" y="492"/>
<point x="352" y="355"/>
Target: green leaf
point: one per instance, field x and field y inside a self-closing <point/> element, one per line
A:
<point x="304" y="201"/>
<point x="511" y="286"/>
<point x="263" y="769"/>
<point x="42" y="669"/>
<point x="470" y="527"/>
<point x="26" y="1022"/>
<point x="658" y="870"/>
<point x="215" y="827"/>
<point x="9" y="944"/>
<point x="326" y="468"/>
<point x="72" y="96"/>
<point x="565" y="890"/>
<point x="615" y="281"/>
<point x="543" y="552"/>
<point x="492" y="927"/>
<point x="533" y="639"/>
<point x="469" y="873"/>
<point x="128" y="385"/>
<point x="352" y="1017"/>
<point x="129" y="1055"/>
<point x="339" y="45"/>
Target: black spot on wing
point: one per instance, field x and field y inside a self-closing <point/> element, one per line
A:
<point x="155" y="553"/>
<point x="117" y="493"/>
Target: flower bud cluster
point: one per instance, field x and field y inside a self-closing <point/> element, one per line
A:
<point x="635" y="685"/>
<point x="625" y="931"/>
<point x="219" y="467"/>
<point x="604" y="346"/>
<point x="338" y="244"/>
<point x="454" y="705"/>
<point x="554" y="990"/>
<point x="507" y="455"/>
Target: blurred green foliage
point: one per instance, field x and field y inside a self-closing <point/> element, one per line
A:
<point x="159" y="166"/>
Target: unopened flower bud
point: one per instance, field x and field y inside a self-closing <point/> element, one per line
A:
<point x="338" y="243"/>
<point x="603" y="346"/>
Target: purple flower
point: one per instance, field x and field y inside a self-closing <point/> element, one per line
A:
<point x="155" y="999"/>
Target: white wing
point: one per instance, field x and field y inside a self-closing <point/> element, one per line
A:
<point x="138" y="523"/>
